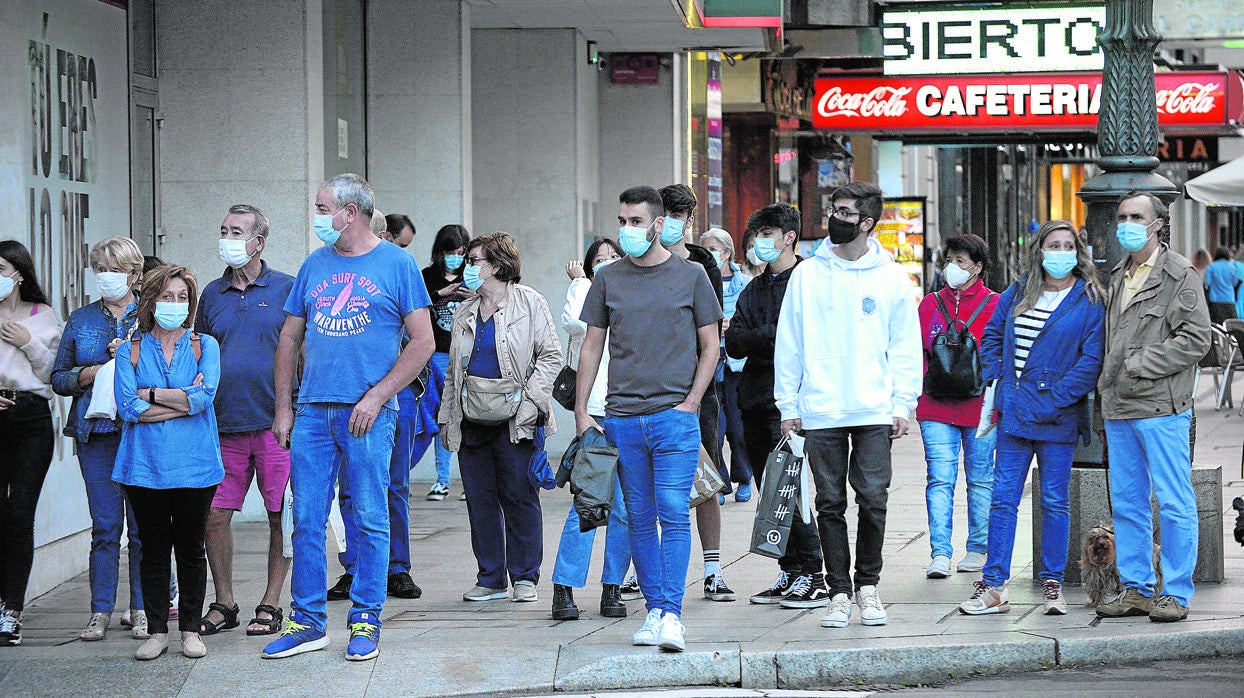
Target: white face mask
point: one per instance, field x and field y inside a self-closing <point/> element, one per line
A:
<point x="113" y="285"/>
<point x="233" y="252"/>
<point x="956" y="276"/>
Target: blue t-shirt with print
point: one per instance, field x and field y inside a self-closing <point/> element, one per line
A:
<point x="354" y="308"/>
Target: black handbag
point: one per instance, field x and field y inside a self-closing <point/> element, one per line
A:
<point x="564" y="387"/>
<point x="954" y="363"/>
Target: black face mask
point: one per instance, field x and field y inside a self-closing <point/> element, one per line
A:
<point x="842" y="232"/>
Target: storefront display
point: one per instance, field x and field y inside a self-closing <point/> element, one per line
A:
<point x="901" y="232"/>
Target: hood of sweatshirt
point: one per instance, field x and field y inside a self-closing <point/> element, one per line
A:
<point x="874" y="257"/>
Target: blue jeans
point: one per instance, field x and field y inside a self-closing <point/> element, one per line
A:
<point x="507" y="527"/>
<point x="942" y="445"/>
<point x="321" y="441"/>
<point x="110" y="509"/>
<point x="731" y="427"/>
<point x="1010" y="472"/>
<point x="399" y="503"/>
<point x="1151" y="456"/>
<point x="574" y="553"/>
<point x="439" y="364"/>
<point x="657" y="457"/>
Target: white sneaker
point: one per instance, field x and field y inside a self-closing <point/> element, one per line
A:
<point x="985" y="599"/>
<point x="939" y="568"/>
<point x="872" y="611"/>
<point x="524" y="591"/>
<point x="971" y="562"/>
<point x="646" y="636"/>
<point x="1055" y="604"/>
<point x="838" y="614"/>
<point x="670" y="634"/>
<point x="138" y="625"/>
<point x="97" y="629"/>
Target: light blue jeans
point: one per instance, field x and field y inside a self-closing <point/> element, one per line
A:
<point x="404" y="438"/>
<point x="1151" y="456"/>
<point x="657" y="457"/>
<point x="321" y="439"/>
<point x="942" y="445"/>
<point x="574" y="553"/>
<point x="1011" y="470"/>
<point x="110" y="510"/>
<point x="444" y="457"/>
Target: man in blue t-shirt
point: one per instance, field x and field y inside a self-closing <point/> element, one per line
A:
<point x="350" y="302"/>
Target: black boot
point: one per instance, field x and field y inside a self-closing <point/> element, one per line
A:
<point x="611" y="605"/>
<point x="563" y="603"/>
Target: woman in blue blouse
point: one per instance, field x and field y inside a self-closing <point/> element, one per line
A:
<point x="1043" y="347"/>
<point x="88" y="342"/>
<point x="169" y="459"/>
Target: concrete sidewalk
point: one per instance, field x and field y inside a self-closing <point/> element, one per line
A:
<point x="440" y="645"/>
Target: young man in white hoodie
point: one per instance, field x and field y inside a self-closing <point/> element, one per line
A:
<point x="849" y="338"/>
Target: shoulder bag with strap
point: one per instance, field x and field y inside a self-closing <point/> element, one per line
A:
<point x="195" y="345"/>
<point x="954" y="366"/>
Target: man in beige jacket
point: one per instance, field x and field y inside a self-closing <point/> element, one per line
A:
<point x="1157" y="330"/>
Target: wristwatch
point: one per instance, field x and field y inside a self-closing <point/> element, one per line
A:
<point x="151" y="395"/>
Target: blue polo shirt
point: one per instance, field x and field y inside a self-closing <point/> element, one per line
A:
<point x="1220" y="279"/>
<point x="247" y="324"/>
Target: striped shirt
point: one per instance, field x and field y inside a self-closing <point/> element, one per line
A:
<point x="1031" y="322"/>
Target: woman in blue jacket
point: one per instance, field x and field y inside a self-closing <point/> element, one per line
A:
<point x="1043" y="348"/>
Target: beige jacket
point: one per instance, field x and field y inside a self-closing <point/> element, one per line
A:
<point x="525" y="336"/>
<point x="1154" y="344"/>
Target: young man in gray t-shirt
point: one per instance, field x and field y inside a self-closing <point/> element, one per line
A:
<point x="652" y="303"/>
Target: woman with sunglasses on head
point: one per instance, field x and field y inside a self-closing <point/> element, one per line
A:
<point x="29" y="338"/>
<point x="1043" y="347"/>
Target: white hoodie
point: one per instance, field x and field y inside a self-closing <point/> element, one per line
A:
<point x="848" y="342"/>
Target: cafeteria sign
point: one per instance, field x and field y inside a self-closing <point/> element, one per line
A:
<point x="1016" y="102"/>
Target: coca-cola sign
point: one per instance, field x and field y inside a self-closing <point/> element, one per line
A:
<point x="1008" y="103"/>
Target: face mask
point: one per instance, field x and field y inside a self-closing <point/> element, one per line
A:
<point x="170" y="316"/>
<point x="113" y="285"/>
<point x="752" y="258"/>
<point x="233" y="252"/>
<point x="453" y="261"/>
<point x="716" y="257"/>
<point x="324" y="230"/>
<point x="1058" y="263"/>
<point x="765" y="250"/>
<point x="956" y="276"/>
<point x="470" y="277"/>
<point x="634" y="240"/>
<point x="596" y="269"/>
<point x="1132" y="236"/>
<point x="842" y="232"/>
<point x="6" y="286"/>
<point x="672" y="231"/>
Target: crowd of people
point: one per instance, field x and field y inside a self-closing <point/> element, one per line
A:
<point x="330" y="385"/>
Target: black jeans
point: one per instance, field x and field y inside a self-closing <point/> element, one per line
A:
<point x="762" y="429"/>
<point x="710" y="414"/>
<point x="26" y="444"/>
<point x="861" y="456"/>
<point x="173" y="519"/>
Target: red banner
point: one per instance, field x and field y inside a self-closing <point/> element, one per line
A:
<point x="1012" y="102"/>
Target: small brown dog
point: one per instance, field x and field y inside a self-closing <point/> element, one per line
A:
<point x="1099" y="569"/>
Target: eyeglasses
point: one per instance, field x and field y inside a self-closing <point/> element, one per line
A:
<point x="843" y="212"/>
<point x="476" y="261"/>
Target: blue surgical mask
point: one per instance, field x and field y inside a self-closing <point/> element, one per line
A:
<point x="453" y="261"/>
<point x="672" y="231"/>
<point x="716" y="257"/>
<point x="1132" y="236"/>
<point x="322" y="224"/>
<point x="470" y="277"/>
<point x="170" y="316"/>
<point x="765" y="250"/>
<point x="1058" y="263"/>
<point x="634" y="240"/>
<point x="596" y="269"/>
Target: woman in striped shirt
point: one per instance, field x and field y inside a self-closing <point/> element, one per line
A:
<point x="1043" y="346"/>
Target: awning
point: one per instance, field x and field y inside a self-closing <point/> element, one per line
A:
<point x="1221" y="186"/>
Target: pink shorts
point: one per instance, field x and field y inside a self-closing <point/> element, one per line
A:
<point x="250" y="452"/>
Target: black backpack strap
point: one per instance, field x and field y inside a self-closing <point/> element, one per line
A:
<point x="979" y="309"/>
<point x="941" y="305"/>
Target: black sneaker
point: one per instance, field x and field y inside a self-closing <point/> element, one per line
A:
<point x="629" y="591"/>
<point x="401" y="586"/>
<point x="10" y="629"/>
<point x="341" y="590"/>
<point x="774" y="594"/>
<point x="715" y="588"/>
<point x="808" y="591"/>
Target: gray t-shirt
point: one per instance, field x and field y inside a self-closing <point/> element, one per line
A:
<point x="652" y="314"/>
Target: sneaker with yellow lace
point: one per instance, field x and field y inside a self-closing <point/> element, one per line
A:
<point x="296" y="637"/>
<point x="364" y="637"/>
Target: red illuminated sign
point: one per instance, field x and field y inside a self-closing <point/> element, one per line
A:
<point x="1014" y="102"/>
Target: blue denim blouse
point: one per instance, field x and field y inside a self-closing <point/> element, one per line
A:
<point x="180" y="452"/>
<point x="84" y="342"/>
